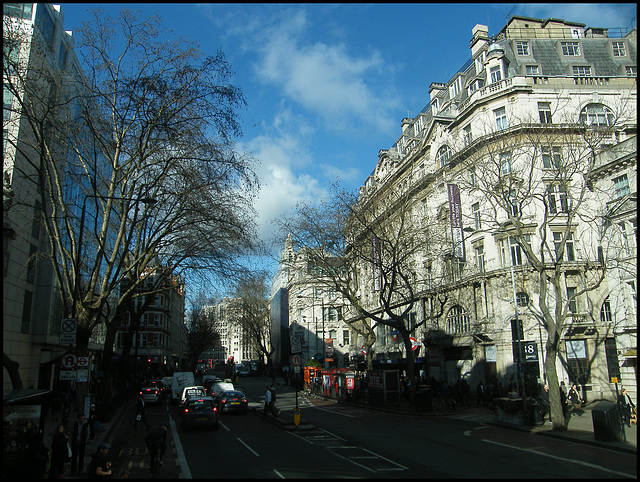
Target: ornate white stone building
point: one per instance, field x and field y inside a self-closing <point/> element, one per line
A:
<point x="522" y="170"/>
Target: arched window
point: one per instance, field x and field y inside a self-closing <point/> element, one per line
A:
<point x="457" y="321"/>
<point x="605" y="312"/>
<point x="443" y="155"/>
<point x="597" y="115"/>
<point x="522" y="299"/>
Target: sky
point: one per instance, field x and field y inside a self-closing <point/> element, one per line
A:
<point x="327" y="85"/>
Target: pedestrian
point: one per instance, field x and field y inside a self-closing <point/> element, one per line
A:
<point x="93" y="419"/>
<point x="626" y="404"/>
<point x="269" y="403"/>
<point x="141" y="413"/>
<point x="157" y="444"/>
<point x="575" y="400"/>
<point x="481" y="395"/>
<point x="37" y="456"/>
<point x="544" y="403"/>
<point x="79" y="438"/>
<point x="59" y="453"/>
<point x="100" y="465"/>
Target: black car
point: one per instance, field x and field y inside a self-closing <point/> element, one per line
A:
<point x="233" y="401"/>
<point x="200" y="412"/>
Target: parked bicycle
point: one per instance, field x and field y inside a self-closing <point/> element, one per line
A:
<point x="440" y="403"/>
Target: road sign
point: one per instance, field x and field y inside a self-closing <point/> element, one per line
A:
<point x="67" y="375"/>
<point x="83" y="362"/>
<point x="68" y="331"/>
<point x="68" y="361"/>
<point x="362" y="350"/>
<point x="414" y="343"/>
<point x="296" y="360"/>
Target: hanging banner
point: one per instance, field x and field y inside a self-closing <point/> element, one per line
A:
<point x="455" y="215"/>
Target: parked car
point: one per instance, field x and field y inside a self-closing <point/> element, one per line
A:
<point x="150" y="394"/>
<point x="233" y="401"/>
<point x="192" y="391"/>
<point x="200" y="412"/>
<point x="218" y="388"/>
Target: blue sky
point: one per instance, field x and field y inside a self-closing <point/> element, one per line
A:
<point x="327" y="85"/>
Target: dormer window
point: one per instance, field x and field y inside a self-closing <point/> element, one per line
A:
<point x="496" y="74"/>
<point x="618" y="49"/>
<point x="570" y="49"/>
<point x="522" y="47"/>
<point x="435" y="106"/>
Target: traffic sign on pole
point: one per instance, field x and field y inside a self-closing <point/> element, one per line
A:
<point x="68" y="331"/>
<point x="68" y="361"/>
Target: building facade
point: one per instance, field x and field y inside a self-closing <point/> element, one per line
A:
<point x="522" y="171"/>
<point x="32" y="313"/>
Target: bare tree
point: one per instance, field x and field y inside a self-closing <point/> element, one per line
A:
<point x="202" y="333"/>
<point x="539" y="197"/>
<point x="251" y="311"/>
<point x="370" y="256"/>
<point x="134" y="161"/>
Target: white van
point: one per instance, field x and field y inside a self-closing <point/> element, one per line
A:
<point x="218" y="388"/>
<point x="179" y="380"/>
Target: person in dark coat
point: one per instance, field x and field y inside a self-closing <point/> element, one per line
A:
<point x="626" y="404"/>
<point x="37" y="455"/>
<point x="59" y="453"/>
<point x="141" y="411"/>
<point x="481" y="395"/>
<point x="100" y="465"/>
<point x="79" y="439"/>
<point x="563" y="401"/>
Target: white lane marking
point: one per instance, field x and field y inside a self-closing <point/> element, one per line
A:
<point x="384" y="458"/>
<point x="182" y="460"/>
<point x="333" y="435"/>
<point x="564" y="459"/>
<point x="335" y="413"/>
<point x="279" y="474"/>
<point x="225" y="427"/>
<point x="249" y="448"/>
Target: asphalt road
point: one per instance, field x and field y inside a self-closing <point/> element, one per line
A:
<point x="354" y="442"/>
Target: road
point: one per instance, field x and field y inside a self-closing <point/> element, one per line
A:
<point x="353" y="442"/>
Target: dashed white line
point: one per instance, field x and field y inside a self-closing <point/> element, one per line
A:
<point x="249" y="448"/>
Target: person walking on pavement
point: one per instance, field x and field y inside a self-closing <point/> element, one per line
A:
<point x="481" y="395"/>
<point x="37" y="456"/>
<point x="100" y="465"/>
<point x="575" y="400"/>
<point x="269" y="403"/>
<point x="563" y="401"/>
<point x="59" y="453"/>
<point x="79" y="438"/>
<point x="141" y="413"/>
<point x="544" y="402"/>
<point x="626" y="404"/>
<point x="156" y="442"/>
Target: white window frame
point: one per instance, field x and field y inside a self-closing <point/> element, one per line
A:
<point x="501" y="118"/>
<point x="619" y="49"/>
<point x="597" y="114"/>
<point x="582" y="70"/>
<point x="532" y="70"/>
<point x="443" y="155"/>
<point x="477" y="219"/>
<point x="496" y="74"/>
<point x="570" y="49"/>
<point x="505" y="163"/>
<point x="621" y="186"/>
<point x="569" y="251"/>
<point x="558" y="199"/>
<point x="551" y="157"/>
<point x="544" y="111"/>
<point x="522" y="47"/>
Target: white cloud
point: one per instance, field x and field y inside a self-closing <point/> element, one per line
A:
<point x="598" y="15"/>
<point x="326" y="79"/>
